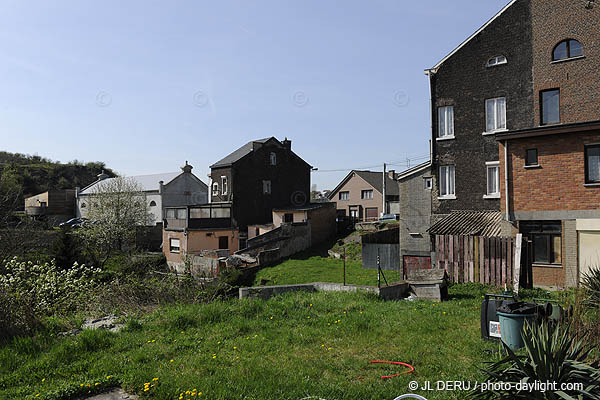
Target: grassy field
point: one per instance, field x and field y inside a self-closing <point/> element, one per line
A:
<point x="289" y="347"/>
<point x="311" y="267"/>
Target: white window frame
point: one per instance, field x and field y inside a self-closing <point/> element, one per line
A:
<point x="445" y="125"/>
<point x="445" y="171"/>
<point x="428" y="182"/>
<point x="266" y="187"/>
<point x="497" y="60"/>
<point x="215" y="188"/>
<point x="171" y="241"/>
<point x="366" y="194"/>
<point x="489" y="165"/>
<point x="344" y="192"/>
<point x="273" y="158"/>
<point x="496" y="102"/>
<point x="224" y="185"/>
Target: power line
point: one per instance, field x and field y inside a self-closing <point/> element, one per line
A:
<point x="407" y="162"/>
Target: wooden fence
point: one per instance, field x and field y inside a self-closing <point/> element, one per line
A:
<point x="481" y="259"/>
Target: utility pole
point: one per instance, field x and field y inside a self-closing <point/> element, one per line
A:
<point x="400" y="258"/>
<point x="384" y="211"/>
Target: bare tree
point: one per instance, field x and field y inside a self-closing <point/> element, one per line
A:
<point x="116" y="209"/>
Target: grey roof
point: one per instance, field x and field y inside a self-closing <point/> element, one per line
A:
<point x="374" y="179"/>
<point x="239" y="153"/>
<point x="148" y="183"/>
<point x="414" y="170"/>
<point x="479" y="223"/>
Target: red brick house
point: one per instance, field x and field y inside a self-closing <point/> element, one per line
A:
<point x="553" y="194"/>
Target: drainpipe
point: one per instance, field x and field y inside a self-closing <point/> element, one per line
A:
<point x="506" y="180"/>
<point x="383" y="211"/>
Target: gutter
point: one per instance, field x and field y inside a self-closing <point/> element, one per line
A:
<point x="506" y="180"/>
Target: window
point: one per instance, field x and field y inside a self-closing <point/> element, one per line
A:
<point x="498" y="60"/>
<point x="223" y="242"/>
<point x="220" y="212"/>
<point x="446" y="122"/>
<point x="176" y="213"/>
<point x="174" y="245"/>
<point x="152" y="203"/>
<point x="344" y="196"/>
<point x="566" y="49"/>
<point x="531" y="157"/>
<point x="447" y="181"/>
<point x="224" y="185"/>
<point x="199" y="213"/>
<point x="495" y="114"/>
<point x="273" y="158"/>
<point x="493" y="179"/>
<point x="215" y="189"/>
<point x="428" y="183"/>
<point x="546" y="239"/>
<point x="592" y="164"/>
<point x="366" y="194"/>
<point x="550" y="106"/>
<point x="288" y="218"/>
<point x="266" y="187"/>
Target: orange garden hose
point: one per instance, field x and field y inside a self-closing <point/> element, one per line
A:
<point x="412" y="369"/>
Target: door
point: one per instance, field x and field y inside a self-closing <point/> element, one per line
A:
<point x="223" y="243"/>
<point x="589" y="252"/>
<point x="371" y="214"/>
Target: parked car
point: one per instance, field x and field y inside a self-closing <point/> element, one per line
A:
<point x="74" y="223"/>
<point x="388" y="217"/>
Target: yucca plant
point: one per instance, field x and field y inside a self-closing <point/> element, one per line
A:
<point x="551" y="355"/>
<point x="591" y="283"/>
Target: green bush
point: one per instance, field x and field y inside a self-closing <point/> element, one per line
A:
<point x="551" y="355"/>
<point x="591" y="283"/>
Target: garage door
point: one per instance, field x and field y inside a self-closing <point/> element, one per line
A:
<point x="371" y="214"/>
<point x="589" y="251"/>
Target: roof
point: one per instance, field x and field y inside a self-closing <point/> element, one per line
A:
<point x="549" y="130"/>
<point x="148" y="183"/>
<point x="460" y="46"/>
<point x="307" y="207"/>
<point x="239" y="153"/>
<point x="414" y="170"/>
<point x="373" y="178"/>
<point x="480" y="223"/>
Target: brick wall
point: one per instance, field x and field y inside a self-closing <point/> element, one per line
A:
<point x="465" y="81"/>
<point x="558" y="184"/>
<point x="552" y="22"/>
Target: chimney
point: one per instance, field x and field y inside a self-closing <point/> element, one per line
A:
<point x="287" y="143"/>
<point x="102" y="176"/>
<point x="392" y="174"/>
<point x="187" y="168"/>
<point x="161" y="184"/>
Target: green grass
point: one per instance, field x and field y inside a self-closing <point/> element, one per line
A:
<point x="290" y="347"/>
<point x="320" y="269"/>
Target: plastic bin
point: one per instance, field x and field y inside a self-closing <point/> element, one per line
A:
<point x="512" y="320"/>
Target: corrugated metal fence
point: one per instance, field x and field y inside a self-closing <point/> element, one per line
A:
<point x="480" y="259"/>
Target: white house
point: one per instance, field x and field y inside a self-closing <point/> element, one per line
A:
<point x="160" y="191"/>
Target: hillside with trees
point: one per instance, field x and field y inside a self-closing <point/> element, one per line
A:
<point x="32" y="174"/>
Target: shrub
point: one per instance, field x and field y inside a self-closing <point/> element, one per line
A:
<point x="550" y="356"/>
<point x="29" y="292"/>
<point x="591" y="283"/>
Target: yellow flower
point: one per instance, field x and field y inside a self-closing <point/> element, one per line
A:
<point x="271" y="317"/>
<point x="182" y="331"/>
<point x="108" y="376"/>
<point x="81" y="385"/>
<point x="170" y="360"/>
<point x="154" y="379"/>
<point x="37" y="395"/>
<point x="310" y="305"/>
<point x="44" y="380"/>
<point x="234" y="347"/>
<point x="444" y="313"/>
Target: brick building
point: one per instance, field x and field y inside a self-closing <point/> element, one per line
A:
<point x="529" y="80"/>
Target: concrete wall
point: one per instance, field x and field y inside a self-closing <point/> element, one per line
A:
<point x="322" y="222"/>
<point x="415" y="214"/>
<point x="60" y="205"/>
<point x="184" y="190"/>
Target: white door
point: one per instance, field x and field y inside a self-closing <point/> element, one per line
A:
<point x="589" y="251"/>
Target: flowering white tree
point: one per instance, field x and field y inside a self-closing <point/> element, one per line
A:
<point x="116" y="209"/>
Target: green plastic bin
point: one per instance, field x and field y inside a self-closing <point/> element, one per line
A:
<point x="511" y="326"/>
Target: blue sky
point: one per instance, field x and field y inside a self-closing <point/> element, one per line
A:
<point x="146" y="85"/>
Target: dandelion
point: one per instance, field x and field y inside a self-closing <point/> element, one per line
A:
<point x="44" y="380"/>
<point x="271" y="317"/>
<point x="81" y="384"/>
<point x="444" y="313"/>
<point x="154" y="379"/>
<point x="234" y="347"/>
<point x="218" y="342"/>
<point x="171" y="360"/>
<point x="37" y="395"/>
<point x="96" y="384"/>
<point x="108" y="376"/>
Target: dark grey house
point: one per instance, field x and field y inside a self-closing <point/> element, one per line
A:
<point x="481" y="88"/>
